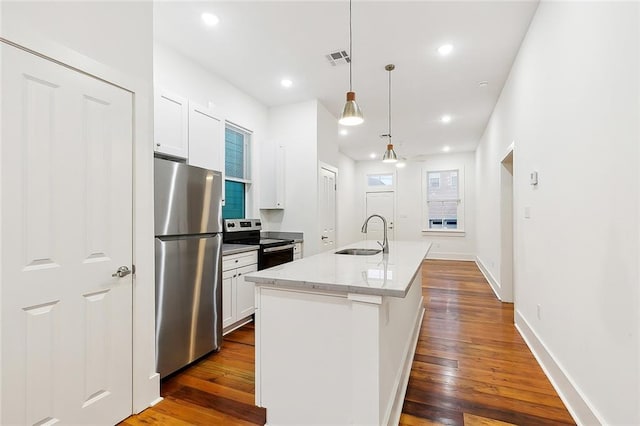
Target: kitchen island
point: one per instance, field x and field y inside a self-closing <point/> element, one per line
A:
<point x="336" y="334"/>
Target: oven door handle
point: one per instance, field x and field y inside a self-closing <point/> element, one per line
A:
<point x="278" y="248"/>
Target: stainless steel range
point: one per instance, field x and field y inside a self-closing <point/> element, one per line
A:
<point x="247" y="231"/>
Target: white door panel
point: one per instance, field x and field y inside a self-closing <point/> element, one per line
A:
<point x="327" y="194"/>
<point x="381" y="203"/>
<point x="67" y="219"/>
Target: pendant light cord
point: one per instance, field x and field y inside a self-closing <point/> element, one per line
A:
<point x="390" y="106"/>
<point x="350" y="49"/>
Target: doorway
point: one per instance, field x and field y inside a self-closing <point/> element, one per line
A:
<point x="67" y="213"/>
<point x="506" y="227"/>
<point x="327" y="204"/>
<point x="382" y="203"/>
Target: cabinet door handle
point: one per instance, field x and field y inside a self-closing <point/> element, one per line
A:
<point x="237" y="260"/>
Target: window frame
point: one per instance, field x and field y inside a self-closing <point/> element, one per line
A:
<point x="246" y="160"/>
<point x="247" y="146"/>
<point x="460" y="229"/>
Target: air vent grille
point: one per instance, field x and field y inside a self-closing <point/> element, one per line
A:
<point x="339" y="57"/>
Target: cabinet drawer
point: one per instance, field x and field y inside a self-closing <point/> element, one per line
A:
<point x="238" y="260"/>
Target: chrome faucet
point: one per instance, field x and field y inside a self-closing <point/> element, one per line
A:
<point x="385" y="241"/>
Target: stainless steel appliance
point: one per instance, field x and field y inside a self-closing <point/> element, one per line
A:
<point x="188" y="229"/>
<point x="272" y="251"/>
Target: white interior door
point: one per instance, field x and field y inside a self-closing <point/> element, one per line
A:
<point x="381" y="203"/>
<point x="327" y="194"/>
<point x="66" y="228"/>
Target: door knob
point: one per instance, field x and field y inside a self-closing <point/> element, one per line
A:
<point x="122" y="271"/>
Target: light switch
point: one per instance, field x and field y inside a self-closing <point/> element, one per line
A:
<point x="527" y="212"/>
<point x="533" y="178"/>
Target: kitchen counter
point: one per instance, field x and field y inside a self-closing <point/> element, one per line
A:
<point x="336" y="335"/>
<point x="380" y="275"/>
<point x="237" y="248"/>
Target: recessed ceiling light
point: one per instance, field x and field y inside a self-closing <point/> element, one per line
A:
<point x="445" y="49"/>
<point x="373" y="155"/>
<point x="344" y="132"/>
<point x="446" y="148"/>
<point x="445" y="118"/>
<point x="286" y="82"/>
<point x="483" y="83"/>
<point x="210" y="19"/>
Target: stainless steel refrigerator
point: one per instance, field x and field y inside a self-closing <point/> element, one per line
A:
<point x="188" y="229"/>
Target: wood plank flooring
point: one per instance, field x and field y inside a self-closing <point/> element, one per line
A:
<point x="471" y="367"/>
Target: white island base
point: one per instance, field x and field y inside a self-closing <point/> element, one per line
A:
<point x="334" y="358"/>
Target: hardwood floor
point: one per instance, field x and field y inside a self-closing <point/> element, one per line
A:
<point x="471" y="367"/>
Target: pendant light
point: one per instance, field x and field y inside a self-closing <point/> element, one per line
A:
<point x="389" y="155"/>
<point x="351" y="114"/>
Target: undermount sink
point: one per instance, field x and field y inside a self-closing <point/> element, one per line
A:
<point x="359" y="251"/>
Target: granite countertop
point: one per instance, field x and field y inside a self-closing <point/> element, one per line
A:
<point x="378" y="274"/>
<point x="238" y="248"/>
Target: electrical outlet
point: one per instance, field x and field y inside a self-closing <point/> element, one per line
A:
<point x="527" y="212"/>
<point x="539" y="310"/>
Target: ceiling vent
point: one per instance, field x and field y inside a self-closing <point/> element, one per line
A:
<point x="338" y="58"/>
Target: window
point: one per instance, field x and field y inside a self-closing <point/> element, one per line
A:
<point x="236" y="168"/>
<point x="444" y="201"/>
<point x="380" y="181"/>
<point x="234" y="205"/>
<point x="434" y="180"/>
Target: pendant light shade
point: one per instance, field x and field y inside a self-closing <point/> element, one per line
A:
<point x="351" y="113"/>
<point x="389" y="155"/>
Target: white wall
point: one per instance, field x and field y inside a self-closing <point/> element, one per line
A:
<point x="113" y="41"/>
<point x="295" y="127"/>
<point x="109" y="33"/>
<point x="348" y="223"/>
<point x="308" y="132"/>
<point x="571" y="106"/>
<point x="327" y="137"/>
<point x="409" y="202"/>
<point x="180" y="75"/>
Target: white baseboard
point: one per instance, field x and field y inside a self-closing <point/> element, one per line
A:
<point x="157" y="400"/>
<point x="580" y="409"/>
<point x="450" y="256"/>
<point x="493" y="283"/>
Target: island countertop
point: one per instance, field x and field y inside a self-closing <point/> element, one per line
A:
<point x="380" y="274"/>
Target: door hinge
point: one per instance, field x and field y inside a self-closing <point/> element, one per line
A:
<point x="133" y="269"/>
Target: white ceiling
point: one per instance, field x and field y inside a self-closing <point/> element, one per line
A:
<point x="258" y="43"/>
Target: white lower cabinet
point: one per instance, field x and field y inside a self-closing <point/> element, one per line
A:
<point x="297" y="251"/>
<point x="238" y="297"/>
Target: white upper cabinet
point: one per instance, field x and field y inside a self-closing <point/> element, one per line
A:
<point x="206" y="138"/>
<point x="171" y="124"/>
<point x="273" y="179"/>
